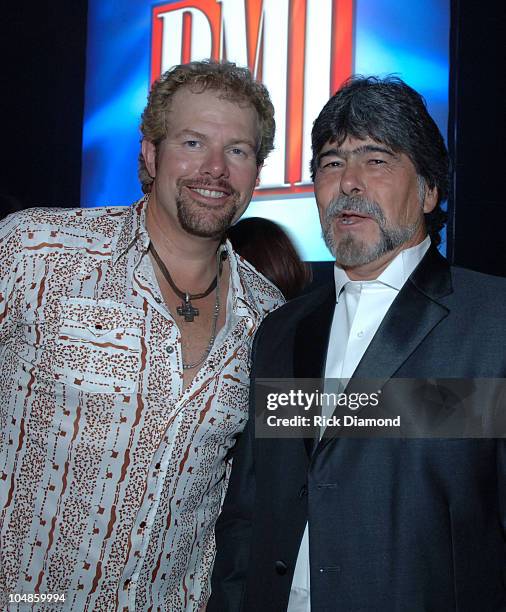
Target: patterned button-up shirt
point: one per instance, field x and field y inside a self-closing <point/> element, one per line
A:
<point x="111" y="473"/>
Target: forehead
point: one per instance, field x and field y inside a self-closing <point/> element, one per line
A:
<point x="210" y="107"/>
<point x="352" y="144"/>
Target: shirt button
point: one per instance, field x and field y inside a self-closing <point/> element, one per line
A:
<point x="157" y="466"/>
<point x="360" y="334"/>
<point x="142" y="525"/>
<point x="281" y="568"/>
<point x="170" y="350"/>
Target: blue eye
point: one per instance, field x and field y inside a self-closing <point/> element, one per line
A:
<point x="192" y="144"/>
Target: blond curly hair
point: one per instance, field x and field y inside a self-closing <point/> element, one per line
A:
<point x="235" y="83"/>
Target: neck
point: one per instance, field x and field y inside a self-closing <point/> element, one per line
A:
<point x="373" y="269"/>
<point x="191" y="260"/>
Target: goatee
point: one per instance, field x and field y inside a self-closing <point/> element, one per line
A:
<point x="350" y="251"/>
<point x="198" y="219"/>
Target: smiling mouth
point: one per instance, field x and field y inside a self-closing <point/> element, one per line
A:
<point x="209" y="193"/>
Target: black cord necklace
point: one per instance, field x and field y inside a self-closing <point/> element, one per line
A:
<point x="186" y="310"/>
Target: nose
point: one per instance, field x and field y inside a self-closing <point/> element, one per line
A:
<point x="215" y="164"/>
<point x="351" y="180"/>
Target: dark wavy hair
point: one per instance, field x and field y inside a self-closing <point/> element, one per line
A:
<point x="268" y="248"/>
<point x="388" y="111"/>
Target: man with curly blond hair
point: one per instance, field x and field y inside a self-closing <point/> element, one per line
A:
<point x="125" y="336"/>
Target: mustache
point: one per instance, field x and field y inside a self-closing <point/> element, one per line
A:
<point x="222" y="184"/>
<point x="355" y="204"/>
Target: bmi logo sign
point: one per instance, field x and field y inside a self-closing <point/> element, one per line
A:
<point x="302" y="50"/>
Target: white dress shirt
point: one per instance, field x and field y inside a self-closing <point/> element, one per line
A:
<point x="360" y="308"/>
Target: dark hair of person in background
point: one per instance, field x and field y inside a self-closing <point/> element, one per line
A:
<point x="390" y="112"/>
<point x="268" y="248"/>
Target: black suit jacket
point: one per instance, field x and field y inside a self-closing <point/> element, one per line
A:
<point x="394" y="524"/>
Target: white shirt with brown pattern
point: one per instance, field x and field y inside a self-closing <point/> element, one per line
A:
<point x="111" y="473"/>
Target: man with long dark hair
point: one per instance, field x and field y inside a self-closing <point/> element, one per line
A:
<point x="338" y="524"/>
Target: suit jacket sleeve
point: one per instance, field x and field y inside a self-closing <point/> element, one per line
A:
<point x="233" y="528"/>
<point x="501" y="468"/>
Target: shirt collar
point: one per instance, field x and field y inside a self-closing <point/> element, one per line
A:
<point x="396" y="273"/>
<point x="133" y="229"/>
<point x="243" y="300"/>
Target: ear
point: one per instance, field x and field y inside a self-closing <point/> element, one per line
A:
<point x="149" y="154"/>
<point x="430" y="199"/>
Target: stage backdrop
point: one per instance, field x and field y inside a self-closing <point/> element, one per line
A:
<point x="301" y="49"/>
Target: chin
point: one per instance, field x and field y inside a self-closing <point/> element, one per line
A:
<point x="206" y="226"/>
<point x="201" y="232"/>
<point x="350" y="251"/>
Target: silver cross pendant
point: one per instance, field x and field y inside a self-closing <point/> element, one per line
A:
<point x="187" y="310"/>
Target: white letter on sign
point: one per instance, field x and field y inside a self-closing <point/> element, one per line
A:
<point x="172" y="41"/>
<point x="274" y="28"/>
<point x="233" y="32"/>
<point x="316" y="72"/>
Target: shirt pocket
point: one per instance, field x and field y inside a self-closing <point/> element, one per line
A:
<point x="98" y="346"/>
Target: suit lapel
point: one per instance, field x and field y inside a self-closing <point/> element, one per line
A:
<point x="311" y="338"/>
<point x="413" y="315"/>
<point x="310" y="345"/>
